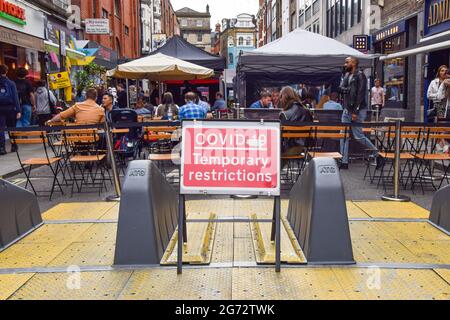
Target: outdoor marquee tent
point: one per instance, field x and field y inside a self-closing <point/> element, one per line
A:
<point x="179" y="48"/>
<point x="299" y="57"/>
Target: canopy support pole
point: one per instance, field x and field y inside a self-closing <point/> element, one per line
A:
<point x="128" y="94"/>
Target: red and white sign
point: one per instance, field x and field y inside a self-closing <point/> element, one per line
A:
<point x="235" y="158"/>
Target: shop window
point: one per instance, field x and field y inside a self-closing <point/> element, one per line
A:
<point x="394" y="73"/>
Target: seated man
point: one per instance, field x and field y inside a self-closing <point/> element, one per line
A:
<point x="220" y="103"/>
<point x="141" y="108"/>
<point x="264" y="103"/>
<point x="84" y="113"/>
<point x="191" y="110"/>
<point x="332" y="104"/>
<point x="108" y="105"/>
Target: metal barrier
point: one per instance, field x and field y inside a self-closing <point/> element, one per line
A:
<point x="440" y="209"/>
<point x="19" y="213"/>
<point x="318" y="214"/>
<point x="147" y="216"/>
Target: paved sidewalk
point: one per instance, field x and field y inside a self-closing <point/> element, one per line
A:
<point x="9" y="164"/>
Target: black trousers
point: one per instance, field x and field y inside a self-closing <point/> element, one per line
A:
<point x="7" y="119"/>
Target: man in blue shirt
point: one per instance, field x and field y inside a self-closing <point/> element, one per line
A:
<point x="333" y="104"/>
<point x="220" y="103"/>
<point x="264" y="103"/>
<point x="191" y="110"/>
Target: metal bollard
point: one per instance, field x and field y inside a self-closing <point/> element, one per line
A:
<point x="398" y="141"/>
<point x="109" y="145"/>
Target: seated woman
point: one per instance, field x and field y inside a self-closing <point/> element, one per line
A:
<point x="167" y="109"/>
<point x="293" y="111"/>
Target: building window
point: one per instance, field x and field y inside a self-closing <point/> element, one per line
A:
<point x="105" y="14"/>
<point x="199" y="37"/>
<point x="230" y="58"/>
<point x="316" y="7"/>
<point x="316" y="26"/>
<point x="301" y="18"/>
<point x="127" y="31"/>
<point x="308" y="13"/>
<point x="199" y="23"/>
<point x="241" y="41"/>
<point x="248" y="42"/>
<point x="117" y="7"/>
<point x="184" y="23"/>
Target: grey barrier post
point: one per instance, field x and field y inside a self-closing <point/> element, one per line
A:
<point x="109" y="145"/>
<point x="396" y="196"/>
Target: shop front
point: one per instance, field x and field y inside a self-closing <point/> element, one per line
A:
<point x="22" y="39"/>
<point x="393" y="72"/>
<point x="436" y="30"/>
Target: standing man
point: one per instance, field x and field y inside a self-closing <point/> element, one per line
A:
<point x="122" y="98"/>
<point x="377" y="98"/>
<point x="354" y="90"/>
<point x="9" y="105"/>
<point x="26" y="98"/>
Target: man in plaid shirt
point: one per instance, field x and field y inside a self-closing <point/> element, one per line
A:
<point x="191" y="110"/>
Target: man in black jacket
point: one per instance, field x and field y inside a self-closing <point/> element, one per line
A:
<point x="10" y="109"/>
<point x="354" y="90"/>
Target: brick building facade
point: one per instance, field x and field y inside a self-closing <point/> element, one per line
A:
<point x="124" y="19"/>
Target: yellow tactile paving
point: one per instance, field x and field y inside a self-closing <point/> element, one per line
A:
<point x="385" y="209"/>
<point x="368" y="230"/>
<point x="74" y="286"/>
<point x="391" y="284"/>
<point x="223" y="244"/>
<point x="412" y="231"/>
<point x="265" y="248"/>
<point x="99" y="232"/>
<point x="198" y="249"/>
<point x="78" y="211"/>
<point x="56" y="233"/>
<point x="382" y="251"/>
<point x="242" y="230"/>
<point x="243" y="250"/>
<point x="437" y="252"/>
<point x="444" y="274"/>
<point x="219" y="207"/>
<point x="353" y="211"/>
<point x="10" y="283"/>
<point x="30" y="255"/>
<point x="208" y="284"/>
<point x="298" y="284"/>
<point x="111" y="214"/>
<point x="86" y="254"/>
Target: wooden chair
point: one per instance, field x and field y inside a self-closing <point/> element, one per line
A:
<point x="52" y="162"/>
<point x="85" y="154"/>
<point x="426" y="156"/>
<point x="295" y="162"/>
<point x="324" y="133"/>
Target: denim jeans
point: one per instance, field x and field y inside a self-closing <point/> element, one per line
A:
<point x="358" y="134"/>
<point x="25" y="119"/>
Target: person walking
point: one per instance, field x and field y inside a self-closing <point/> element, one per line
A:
<point x="354" y="90"/>
<point x="26" y="98"/>
<point x="9" y="106"/>
<point x="436" y="96"/>
<point x="45" y="101"/>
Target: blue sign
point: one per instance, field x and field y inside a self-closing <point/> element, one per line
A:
<point x="437" y="16"/>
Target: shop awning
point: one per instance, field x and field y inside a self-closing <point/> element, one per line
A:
<point x="426" y="46"/>
<point x="71" y="53"/>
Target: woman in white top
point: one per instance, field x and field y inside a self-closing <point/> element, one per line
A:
<point x="435" y="90"/>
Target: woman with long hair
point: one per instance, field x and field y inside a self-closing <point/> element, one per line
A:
<point x="293" y="111"/>
<point x="434" y="90"/>
<point x="167" y="107"/>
